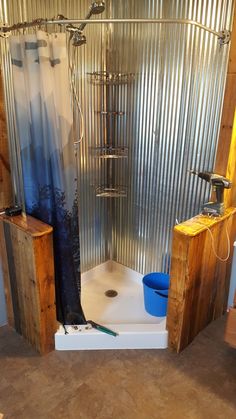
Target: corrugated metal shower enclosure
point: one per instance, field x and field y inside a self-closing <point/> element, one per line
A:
<point x="156" y="102"/>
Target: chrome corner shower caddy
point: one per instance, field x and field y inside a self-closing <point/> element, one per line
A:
<point x="110" y="151"/>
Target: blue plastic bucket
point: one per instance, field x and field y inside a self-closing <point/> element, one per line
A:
<point x="155" y="289"/>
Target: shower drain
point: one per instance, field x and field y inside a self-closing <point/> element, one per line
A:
<point x="111" y="293"/>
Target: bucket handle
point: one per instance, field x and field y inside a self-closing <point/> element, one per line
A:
<point x="161" y="295"/>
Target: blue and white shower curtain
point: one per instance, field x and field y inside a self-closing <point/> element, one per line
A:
<point x="44" y="123"/>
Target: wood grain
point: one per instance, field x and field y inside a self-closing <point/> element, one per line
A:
<point x="28" y="266"/>
<point x="198" y="224"/>
<point x="228" y="111"/>
<point x="230" y="194"/>
<point x="232" y="55"/>
<point x="28" y="224"/>
<point x="6" y="276"/>
<point x="199" y="281"/>
<point x="46" y="290"/>
<point x="5" y="173"/>
<point x="224" y="142"/>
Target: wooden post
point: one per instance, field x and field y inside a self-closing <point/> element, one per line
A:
<point x="5" y="172"/>
<point x="223" y="151"/>
<point x="199" y="281"/>
<point x="230" y="194"/>
<point x="28" y="272"/>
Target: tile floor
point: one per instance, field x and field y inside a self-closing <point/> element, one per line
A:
<point x="200" y="383"/>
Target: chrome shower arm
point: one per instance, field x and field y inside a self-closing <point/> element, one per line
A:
<point x="95" y="9"/>
<point x="82" y="25"/>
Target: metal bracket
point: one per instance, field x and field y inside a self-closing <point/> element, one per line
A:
<point x="4" y="33"/>
<point x="74" y="329"/>
<point x="224" y="37"/>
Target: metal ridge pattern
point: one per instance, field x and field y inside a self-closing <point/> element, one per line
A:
<point x="170" y="123"/>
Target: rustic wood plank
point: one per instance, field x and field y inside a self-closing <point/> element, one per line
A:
<point x="232" y="55"/>
<point x="199" y="281"/>
<point x="230" y="194"/>
<point x="12" y="267"/>
<point x="198" y="224"/>
<point x="29" y="254"/>
<point x="204" y="284"/>
<point x="227" y="118"/>
<point x="29" y="300"/>
<point x="6" y="276"/>
<point x="46" y="290"/>
<point x="28" y="224"/>
<point x="5" y="172"/>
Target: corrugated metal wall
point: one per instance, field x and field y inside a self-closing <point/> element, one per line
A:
<point x="93" y="211"/>
<point x="170" y="123"/>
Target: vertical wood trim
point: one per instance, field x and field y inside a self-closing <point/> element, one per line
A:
<point x="230" y="194"/>
<point x="5" y="172"/>
<point x="46" y="290"/>
<point x="12" y="265"/>
<point x="228" y="111"/>
<point x="6" y="277"/>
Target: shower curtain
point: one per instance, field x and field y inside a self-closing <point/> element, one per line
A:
<point x="44" y="125"/>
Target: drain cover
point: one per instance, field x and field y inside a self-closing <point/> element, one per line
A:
<point x="111" y="293"/>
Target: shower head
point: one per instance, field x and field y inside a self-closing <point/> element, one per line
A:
<point x="76" y="36"/>
<point x="96" y="8"/>
<point x="78" y="39"/>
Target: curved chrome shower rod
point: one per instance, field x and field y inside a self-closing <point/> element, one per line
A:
<point x="223" y="36"/>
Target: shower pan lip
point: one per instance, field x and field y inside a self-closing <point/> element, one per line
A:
<point x="136" y="329"/>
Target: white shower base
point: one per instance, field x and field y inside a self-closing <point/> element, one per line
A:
<point x="125" y="313"/>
